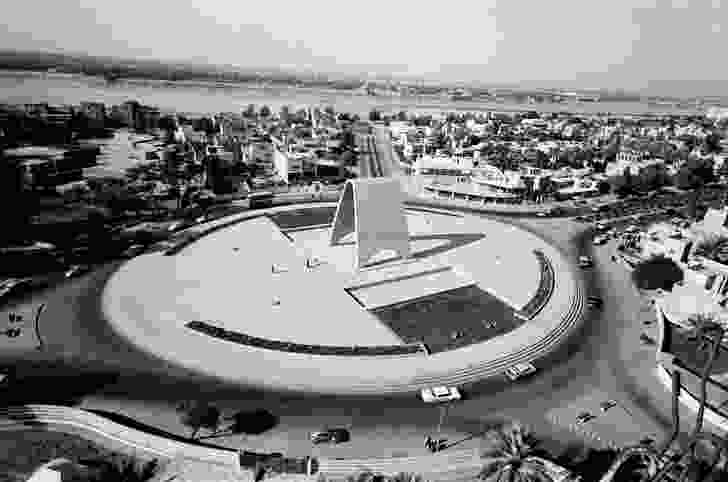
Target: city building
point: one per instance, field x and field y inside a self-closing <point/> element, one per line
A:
<point x="95" y="113"/>
<point x="490" y="178"/>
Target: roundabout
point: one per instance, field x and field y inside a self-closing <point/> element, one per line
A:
<point x="265" y="299"/>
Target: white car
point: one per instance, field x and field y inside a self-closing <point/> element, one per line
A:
<point x="440" y="394"/>
<point x="585" y="262"/>
<point x="520" y="370"/>
<point x="76" y="270"/>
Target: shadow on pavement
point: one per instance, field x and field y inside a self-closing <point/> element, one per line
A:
<point x="54" y="389"/>
<point x="136" y="425"/>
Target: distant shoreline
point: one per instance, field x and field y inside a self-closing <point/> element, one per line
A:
<point x="159" y="93"/>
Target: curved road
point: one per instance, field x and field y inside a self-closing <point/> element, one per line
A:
<point x="606" y="358"/>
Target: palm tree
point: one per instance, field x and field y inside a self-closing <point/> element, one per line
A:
<point x="710" y="333"/>
<point x="364" y="475"/>
<point x="510" y="456"/>
<point x="406" y="477"/>
<point x="713" y="247"/>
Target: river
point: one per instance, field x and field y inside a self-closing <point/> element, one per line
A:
<point x="32" y="87"/>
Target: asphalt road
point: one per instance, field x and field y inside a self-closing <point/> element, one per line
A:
<point x="605" y="360"/>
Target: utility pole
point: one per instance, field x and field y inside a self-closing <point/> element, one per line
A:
<point x="443" y="413"/>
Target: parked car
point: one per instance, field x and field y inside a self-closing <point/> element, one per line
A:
<point x="76" y="270"/>
<point x="584" y="417"/>
<point x="440" y="394"/>
<point x="599" y="240"/>
<point x="609" y="404"/>
<point x="585" y="262"/>
<point x="520" y="370"/>
<point x="330" y="435"/>
<point x="133" y="250"/>
<point x="594" y="302"/>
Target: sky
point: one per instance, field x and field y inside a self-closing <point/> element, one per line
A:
<point x="657" y="46"/>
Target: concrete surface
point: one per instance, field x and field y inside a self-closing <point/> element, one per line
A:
<point x="150" y="298"/>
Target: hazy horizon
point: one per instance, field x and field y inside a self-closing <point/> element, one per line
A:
<point x="660" y="48"/>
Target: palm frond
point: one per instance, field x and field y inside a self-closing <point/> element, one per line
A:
<point x="491" y="468"/>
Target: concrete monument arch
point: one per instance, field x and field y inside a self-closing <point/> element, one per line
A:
<point x="373" y="210"/>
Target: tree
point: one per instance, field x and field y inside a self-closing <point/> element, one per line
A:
<point x="590" y="464"/>
<point x="198" y="415"/>
<point x="711" y="144"/>
<point x="362" y="476"/>
<point x="705" y="329"/>
<point x="406" y="477"/>
<point x="509" y="456"/>
<point x="402" y="116"/>
<point x="657" y="272"/>
<point x="713" y="247"/>
<point x="205" y="201"/>
<point x="265" y="111"/>
<point x="124" y="471"/>
<point x="253" y="423"/>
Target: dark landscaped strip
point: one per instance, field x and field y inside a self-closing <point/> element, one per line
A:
<point x="303" y="218"/>
<point x="471" y="313"/>
<point x="243" y="339"/>
<point x="545" y="287"/>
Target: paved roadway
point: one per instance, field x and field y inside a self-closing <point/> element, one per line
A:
<point x="607" y="359"/>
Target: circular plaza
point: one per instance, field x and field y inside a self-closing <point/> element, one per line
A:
<point x="267" y="299"/>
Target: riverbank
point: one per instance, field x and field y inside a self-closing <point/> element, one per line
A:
<point x="195" y="97"/>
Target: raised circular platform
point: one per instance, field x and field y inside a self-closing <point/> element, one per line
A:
<point x="266" y="276"/>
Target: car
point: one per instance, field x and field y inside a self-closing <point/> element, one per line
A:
<point x="520" y="370"/>
<point x="594" y="302"/>
<point x="585" y="262"/>
<point x="440" y="394"/>
<point x="646" y="339"/>
<point x="76" y="270"/>
<point x="584" y="417"/>
<point x="599" y="240"/>
<point x="541" y="214"/>
<point x="330" y="435"/>
<point x="605" y="406"/>
<point x="133" y="250"/>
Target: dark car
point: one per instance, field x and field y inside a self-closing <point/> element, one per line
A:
<point x="331" y="435"/>
<point x="594" y="302"/>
